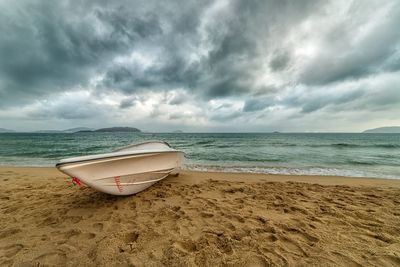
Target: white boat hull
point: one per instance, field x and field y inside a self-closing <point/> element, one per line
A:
<point x="124" y="174"/>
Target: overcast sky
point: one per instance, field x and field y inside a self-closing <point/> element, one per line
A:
<point x="200" y="65"/>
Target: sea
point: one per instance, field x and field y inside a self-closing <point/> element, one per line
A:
<point x="343" y="154"/>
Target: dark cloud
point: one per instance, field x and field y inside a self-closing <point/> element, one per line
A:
<point x="314" y="105"/>
<point x="65" y="45"/>
<point x="226" y="87"/>
<point x="128" y="102"/>
<point x="280" y="61"/>
<point x="233" y="57"/>
<point x="53" y="46"/>
<point x="256" y="104"/>
<point x="339" y="99"/>
<point x="129" y="28"/>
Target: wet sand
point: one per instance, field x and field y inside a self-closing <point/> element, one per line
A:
<point x="199" y="218"/>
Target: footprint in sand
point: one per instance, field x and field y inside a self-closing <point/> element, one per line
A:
<point x="44" y="238"/>
<point x="206" y="214"/>
<point x="272" y="238"/>
<point x="344" y="259"/>
<point x="131" y="237"/>
<point x="302" y="234"/>
<point x="71" y="233"/>
<point x="8" y="232"/>
<point x="292" y="246"/>
<point x="76" y="235"/>
<point x="52" y="259"/>
<point x="10" y="251"/>
<point x="87" y="236"/>
<point x="230" y="226"/>
<point x="273" y="257"/>
<point x="186" y="246"/>
<point x="224" y="244"/>
<point x="161" y="194"/>
<point x="387" y="260"/>
<point x="98" y="227"/>
<point x="253" y="259"/>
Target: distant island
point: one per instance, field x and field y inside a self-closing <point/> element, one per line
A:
<point x="48" y="131"/>
<point x="3" y="130"/>
<point x="90" y="130"/>
<point x="72" y="130"/>
<point x="177" y="131"/>
<point x="391" y="129"/>
<point x="78" y="129"/>
<point x="118" y="129"/>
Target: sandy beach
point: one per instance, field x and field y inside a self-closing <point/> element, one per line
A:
<point x="199" y="218"/>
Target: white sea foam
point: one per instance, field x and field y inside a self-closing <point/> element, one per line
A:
<point x="292" y="171"/>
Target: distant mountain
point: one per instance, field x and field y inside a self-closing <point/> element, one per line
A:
<point x="72" y="130"/>
<point x="2" y="130"/>
<point x="48" y="131"/>
<point x="119" y="129"/>
<point x="85" y="129"/>
<point x="78" y="129"/>
<point x="392" y="129"/>
<point x="177" y="131"/>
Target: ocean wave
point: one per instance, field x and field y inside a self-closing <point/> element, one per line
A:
<point x="311" y="171"/>
<point x="359" y="162"/>
<point x="283" y="144"/>
<point x="204" y="142"/>
<point x="388" y="145"/>
<point x="348" y="145"/>
<point x="344" y="145"/>
<point x="223" y="146"/>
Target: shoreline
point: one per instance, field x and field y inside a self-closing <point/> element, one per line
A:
<point x="254" y="177"/>
<point x="199" y="219"/>
<point x="233" y="170"/>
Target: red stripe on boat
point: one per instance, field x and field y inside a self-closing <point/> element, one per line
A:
<point x="118" y="183"/>
<point x="76" y="181"/>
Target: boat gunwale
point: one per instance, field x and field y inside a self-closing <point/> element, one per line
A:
<point x="143" y="143"/>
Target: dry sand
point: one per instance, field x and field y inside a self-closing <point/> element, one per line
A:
<point x="204" y="219"/>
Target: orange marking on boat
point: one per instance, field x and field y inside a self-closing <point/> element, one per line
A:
<point x="118" y="183"/>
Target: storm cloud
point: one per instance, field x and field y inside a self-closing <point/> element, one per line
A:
<point x="200" y="65"/>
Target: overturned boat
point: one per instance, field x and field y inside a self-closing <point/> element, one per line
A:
<point x="127" y="170"/>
